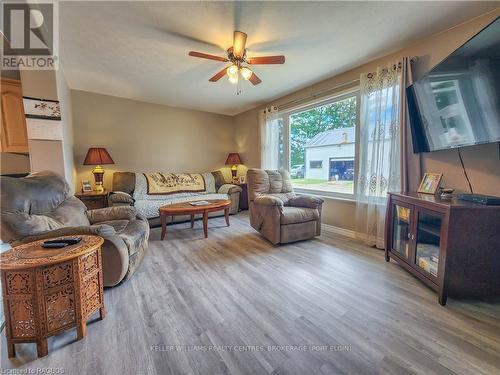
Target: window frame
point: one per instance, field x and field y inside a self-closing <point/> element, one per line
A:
<point x="286" y="114"/>
<point x="316" y="161"/>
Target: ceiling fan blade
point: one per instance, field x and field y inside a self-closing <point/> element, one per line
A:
<point x="239" y="42"/>
<point x="267" y="60"/>
<point x="207" y="56"/>
<point x="254" y="79"/>
<point x="219" y="75"/>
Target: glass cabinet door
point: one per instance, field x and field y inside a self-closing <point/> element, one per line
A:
<point x="428" y="241"/>
<point x="401" y="230"/>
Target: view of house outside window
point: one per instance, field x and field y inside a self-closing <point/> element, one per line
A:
<point x="322" y="147"/>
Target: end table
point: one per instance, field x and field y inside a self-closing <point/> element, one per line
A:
<point x="94" y="199"/>
<point x="48" y="291"/>
<point x="243" y="197"/>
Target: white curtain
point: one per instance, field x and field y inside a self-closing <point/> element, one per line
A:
<point x="271" y="134"/>
<point x="380" y="151"/>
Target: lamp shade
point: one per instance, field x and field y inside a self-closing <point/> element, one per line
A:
<point x="233" y="159"/>
<point x="97" y="156"/>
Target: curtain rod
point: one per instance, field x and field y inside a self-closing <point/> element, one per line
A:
<point x="323" y="93"/>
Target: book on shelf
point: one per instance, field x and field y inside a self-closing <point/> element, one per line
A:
<point x="403" y="214"/>
<point x="427" y="250"/>
<point x="428" y="265"/>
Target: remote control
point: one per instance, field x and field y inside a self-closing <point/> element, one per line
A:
<point x="54" y="245"/>
<point x="69" y="241"/>
<point x="72" y="240"/>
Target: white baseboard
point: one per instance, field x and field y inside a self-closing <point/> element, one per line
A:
<point x="333" y="231"/>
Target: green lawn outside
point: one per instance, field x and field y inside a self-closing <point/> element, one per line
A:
<point x="346" y="187"/>
<point x="307" y="181"/>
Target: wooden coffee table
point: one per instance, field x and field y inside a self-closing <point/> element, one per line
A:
<point x="47" y="291"/>
<point x="189" y="209"/>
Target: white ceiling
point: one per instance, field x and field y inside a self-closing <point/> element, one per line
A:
<point x="138" y="50"/>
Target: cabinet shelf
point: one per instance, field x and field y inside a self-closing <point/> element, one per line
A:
<point x="432" y="229"/>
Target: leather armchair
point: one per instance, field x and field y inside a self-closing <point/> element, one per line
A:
<point x="277" y="212"/>
<point x="40" y="206"/>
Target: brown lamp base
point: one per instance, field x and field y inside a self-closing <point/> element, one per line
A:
<point x="98" y="172"/>
<point x="234" y="172"/>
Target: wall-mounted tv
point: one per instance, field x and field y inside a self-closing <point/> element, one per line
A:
<point x="457" y="103"/>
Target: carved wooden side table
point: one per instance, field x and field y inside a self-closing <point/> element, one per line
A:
<point x="47" y="291"/>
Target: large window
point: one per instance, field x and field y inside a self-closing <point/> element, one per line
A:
<point x="321" y="144"/>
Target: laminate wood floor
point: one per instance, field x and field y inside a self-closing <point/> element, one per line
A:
<point x="233" y="304"/>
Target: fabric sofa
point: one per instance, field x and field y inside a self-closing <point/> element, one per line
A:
<point x="277" y="212"/>
<point x="130" y="189"/>
<point x="40" y="206"/>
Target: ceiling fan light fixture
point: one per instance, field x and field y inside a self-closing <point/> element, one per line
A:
<point x="237" y="57"/>
<point x="233" y="79"/>
<point x="232" y="71"/>
<point x="246" y="73"/>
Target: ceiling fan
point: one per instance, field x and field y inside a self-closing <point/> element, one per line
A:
<point x="239" y="61"/>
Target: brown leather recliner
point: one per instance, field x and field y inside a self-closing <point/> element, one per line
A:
<point x="40" y="206"/>
<point x="277" y="212"/>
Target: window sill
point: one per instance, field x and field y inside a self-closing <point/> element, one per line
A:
<point x="326" y="195"/>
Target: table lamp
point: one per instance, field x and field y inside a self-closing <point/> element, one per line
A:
<point x="97" y="156"/>
<point x="233" y="159"/>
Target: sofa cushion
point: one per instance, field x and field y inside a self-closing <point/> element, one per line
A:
<point x="275" y="182"/>
<point x="36" y="204"/>
<point x="70" y="213"/>
<point x="285" y="197"/>
<point x="118" y="225"/>
<point x="132" y="232"/>
<point x="135" y="235"/>
<point x="268" y="182"/>
<point x="229" y="189"/>
<point x="121" y="198"/>
<point x="210" y="183"/>
<point x="35" y="194"/>
<point x="292" y="215"/>
<point x="258" y="183"/>
<point x="219" y="179"/>
<point x="149" y="208"/>
<point x="111" y="213"/>
<point x="141" y="189"/>
<point x="287" y="182"/>
<point x="124" y="181"/>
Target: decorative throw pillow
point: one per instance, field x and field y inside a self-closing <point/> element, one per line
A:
<point x="219" y="179"/>
<point x="209" y="182"/>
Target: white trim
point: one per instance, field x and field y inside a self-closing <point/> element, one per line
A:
<point x="332" y="231"/>
<point x="325" y="194"/>
<point x="322" y="100"/>
<point x="329" y="99"/>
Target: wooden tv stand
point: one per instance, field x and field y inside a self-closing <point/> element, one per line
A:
<point x="452" y="246"/>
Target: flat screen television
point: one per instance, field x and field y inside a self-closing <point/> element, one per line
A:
<point x="457" y="103"/>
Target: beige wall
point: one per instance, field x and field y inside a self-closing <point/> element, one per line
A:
<point x="39" y="84"/>
<point x="48" y="152"/>
<point x="64" y="95"/>
<point x="49" y="84"/>
<point x="482" y="162"/>
<point x="146" y="137"/>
